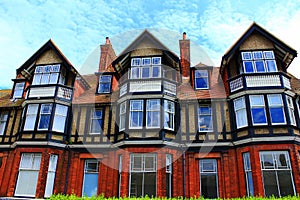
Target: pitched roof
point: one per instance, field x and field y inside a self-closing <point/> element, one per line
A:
<point x="6" y="101"/>
<point x="282" y="48"/>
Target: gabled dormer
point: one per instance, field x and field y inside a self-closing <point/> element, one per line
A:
<point x="258" y="60"/>
<point x="46" y="74"/>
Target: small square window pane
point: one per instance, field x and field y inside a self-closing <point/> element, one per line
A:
<point x="269" y="55"/>
<point x="257" y="55"/>
<point x="208" y="165"/>
<point x="277" y="115"/>
<point x="146" y="61"/>
<point x="156" y="60"/>
<point x="256" y="100"/>
<point x="135" y="62"/>
<point x="274" y="100"/>
<point x="246" y="56"/>
<point x="248" y="66"/>
<point x="259" y="115"/>
<point x="268" y="161"/>
<point x="260" y="66"/>
<point x="136" y="105"/>
<point x="45" y="78"/>
<point x="156" y="71"/>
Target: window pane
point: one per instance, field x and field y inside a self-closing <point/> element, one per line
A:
<point x="18" y="91"/>
<point x="149" y="184"/>
<point x="45" y="78"/>
<point x="260" y="66"/>
<point x="248" y="66"/>
<point x="146" y="61"/>
<point x="96" y="121"/>
<point x="277" y="115"/>
<point x="169" y="114"/>
<point x="258" y="115"/>
<point x="156" y="60"/>
<point x="30" y="117"/>
<point x="53" y="78"/>
<point x="201" y="79"/>
<point x="60" y="118"/>
<point x="136" y="185"/>
<point x="135" y="72"/>
<point x="270" y="183"/>
<point x="135" y="62"/>
<point x="90" y="184"/>
<point x="269" y="55"/>
<point x="146" y="72"/>
<point x="257" y="55"/>
<point x="285" y="183"/>
<point x="271" y="65"/>
<point x="246" y="56"/>
<point x="156" y="71"/>
<point x="104" y="84"/>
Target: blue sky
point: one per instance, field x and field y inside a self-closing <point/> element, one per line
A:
<point x="79" y="27"/>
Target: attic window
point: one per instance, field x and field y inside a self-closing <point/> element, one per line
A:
<point x="48" y="74"/>
<point x="18" y="90"/>
<point x="258" y="61"/>
<point x="144" y="68"/>
<point x="104" y="84"/>
<point x="201" y="79"/>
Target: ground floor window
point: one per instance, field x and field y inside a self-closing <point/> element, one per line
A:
<point x="28" y="173"/>
<point x="142" y="175"/>
<point x="90" y="179"/>
<point x="277" y="173"/>
<point x="51" y="175"/>
<point x="169" y="161"/>
<point x="248" y="174"/>
<point x="209" y="178"/>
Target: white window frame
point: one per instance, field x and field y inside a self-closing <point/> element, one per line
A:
<point x="280" y="105"/>
<point x="151" y="109"/>
<point x="3" y="121"/>
<point x="260" y="105"/>
<point x="19" y="90"/>
<point x="242" y="109"/>
<point x="266" y="57"/>
<point x="138" y="65"/>
<point x="94" y="119"/>
<point x="41" y="114"/>
<point x="51" y="175"/>
<point x="60" y="116"/>
<point x="213" y="171"/>
<point x="274" y="155"/>
<point x="122" y="122"/>
<point x="210" y="114"/>
<point x="248" y="173"/>
<point x="29" y="164"/>
<point x="142" y="168"/>
<point x="47" y="74"/>
<point x="291" y="110"/>
<point x="88" y="171"/>
<point x="203" y="74"/>
<point x="169" y="115"/>
<point x="31" y="114"/>
<point x="139" y="110"/>
<point x="102" y="81"/>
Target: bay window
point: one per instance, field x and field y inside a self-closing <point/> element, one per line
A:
<point x="258" y="111"/>
<point x="258" y="61"/>
<point x="277" y="173"/>
<point x="240" y="112"/>
<point x="41" y="115"/>
<point x="48" y="74"/>
<point x="144" y="68"/>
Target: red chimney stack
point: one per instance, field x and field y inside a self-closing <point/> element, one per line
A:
<point x="184" y="45"/>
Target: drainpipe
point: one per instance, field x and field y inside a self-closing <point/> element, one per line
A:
<point x="184" y="172"/>
<point x="67" y="148"/>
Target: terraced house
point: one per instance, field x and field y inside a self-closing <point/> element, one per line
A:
<point x="147" y="122"/>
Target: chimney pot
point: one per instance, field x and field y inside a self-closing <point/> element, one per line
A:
<point x="184" y="35"/>
<point x="107" y="40"/>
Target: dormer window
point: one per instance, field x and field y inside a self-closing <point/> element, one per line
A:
<point x="144" y="68"/>
<point x="201" y="79"/>
<point x="18" y="90"/>
<point x="48" y="74"/>
<point x="258" y="61"/>
<point x="104" y="84"/>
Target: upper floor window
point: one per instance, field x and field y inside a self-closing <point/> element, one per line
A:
<point x="18" y="90"/>
<point x="240" y="112"/>
<point x="153" y="112"/>
<point x="104" y="84"/>
<point x="3" y="121"/>
<point x="258" y="61"/>
<point x="258" y="111"/>
<point x="40" y="115"/>
<point x="142" y="68"/>
<point x="276" y="109"/>
<point x="201" y="79"/>
<point x="48" y="74"/>
<point x="205" y="123"/>
<point x="96" y="121"/>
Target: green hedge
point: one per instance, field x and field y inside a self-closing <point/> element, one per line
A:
<point x="74" y="197"/>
